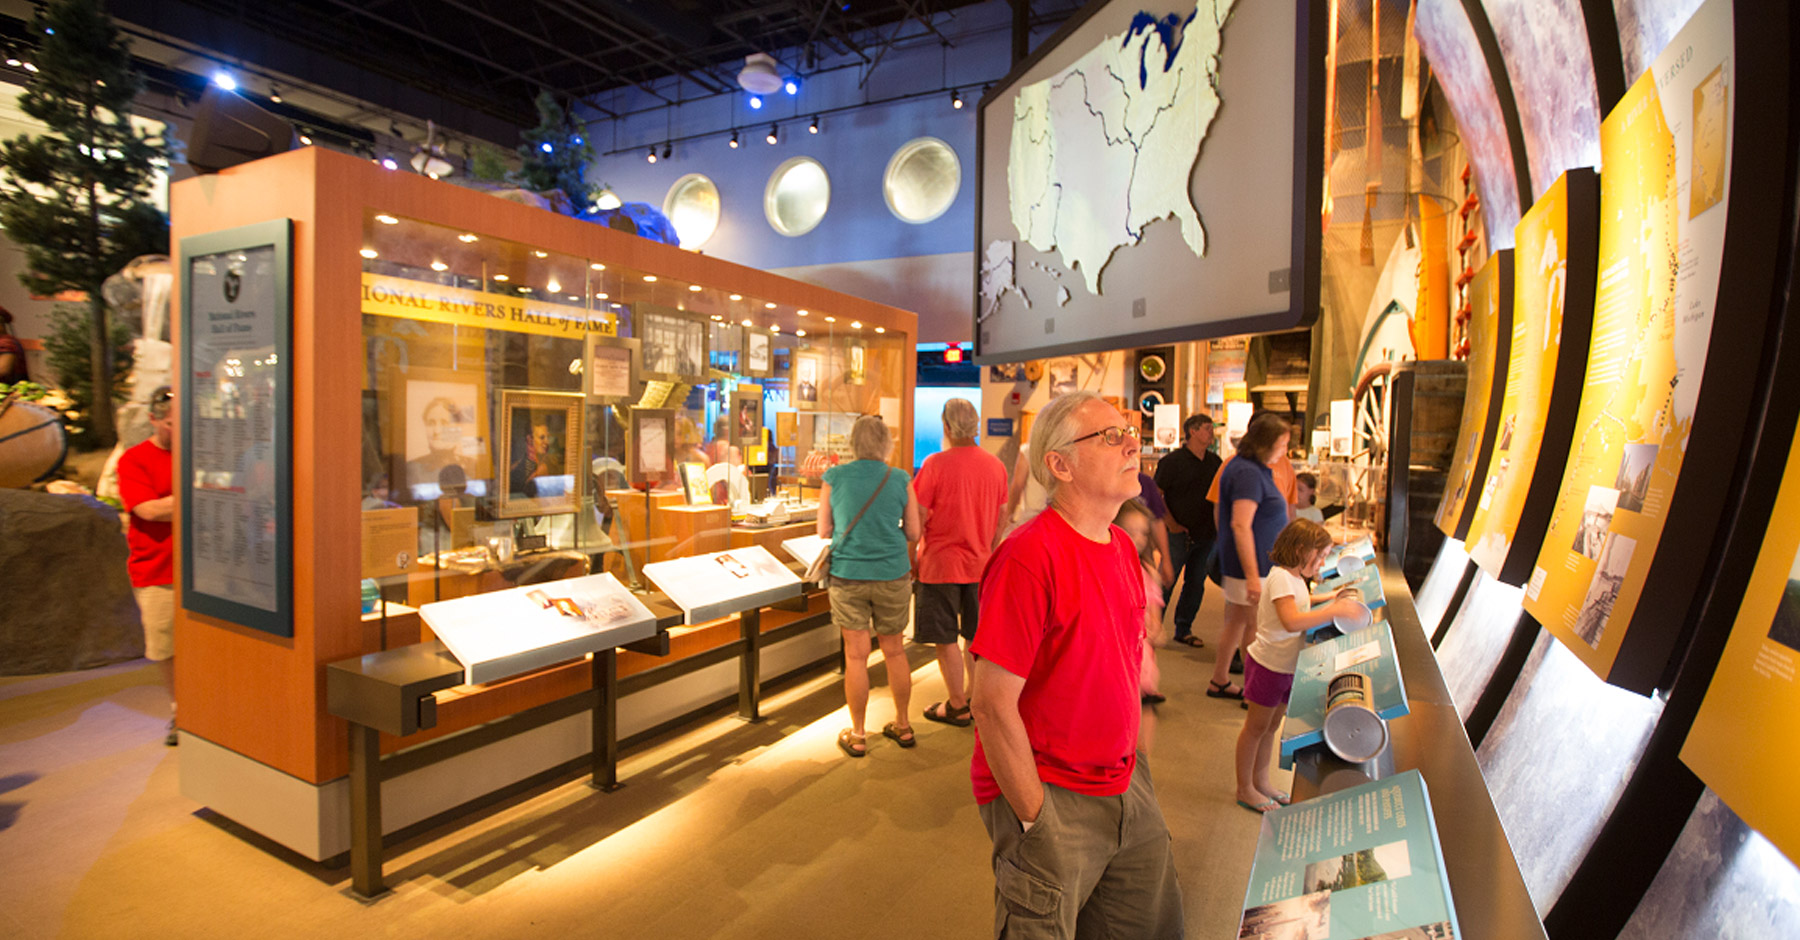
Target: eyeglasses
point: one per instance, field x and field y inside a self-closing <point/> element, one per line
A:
<point x="1111" y="437"/>
<point x="162" y="396"/>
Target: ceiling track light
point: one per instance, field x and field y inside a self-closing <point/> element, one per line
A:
<point x="651" y="156"/>
<point x="734" y="138"/>
<point x="956" y="99"/>
<point x="774" y="135"/>
<point x="813" y="128"/>
<point x="668" y="151"/>
<point x="274" y="94"/>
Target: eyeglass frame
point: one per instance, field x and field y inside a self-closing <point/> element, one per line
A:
<point x="1123" y="431"/>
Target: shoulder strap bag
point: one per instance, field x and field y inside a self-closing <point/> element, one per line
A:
<point x="819" y="572"/>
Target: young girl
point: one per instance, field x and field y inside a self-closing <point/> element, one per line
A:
<point x="1134" y="518"/>
<point x="1287" y="610"/>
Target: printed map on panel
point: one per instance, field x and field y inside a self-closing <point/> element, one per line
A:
<point x="1105" y="147"/>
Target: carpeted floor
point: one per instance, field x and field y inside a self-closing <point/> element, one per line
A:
<point x="723" y="830"/>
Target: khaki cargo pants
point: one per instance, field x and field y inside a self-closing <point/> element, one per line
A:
<point x="1091" y="867"/>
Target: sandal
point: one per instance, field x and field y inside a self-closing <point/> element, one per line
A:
<point x="853" y="744"/>
<point x="942" y="713"/>
<point x="1223" y="690"/>
<point x="1191" y="640"/>
<point x="1266" y="806"/>
<point x="902" y="736"/>
<point x="1153" y="698"/>
<point x="1282" y="798"/>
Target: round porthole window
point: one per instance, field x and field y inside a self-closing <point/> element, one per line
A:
<point x="921" y="180"/>
<point x="797" y="196"/>
<point x="692" y="206"/>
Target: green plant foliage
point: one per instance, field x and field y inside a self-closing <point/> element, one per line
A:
<point x="564" y="164"/>
<point x="78" y="199"/>
<point x="488" y="163"/>
<point x="28" y="391"/>
<point x="68" y="350"/>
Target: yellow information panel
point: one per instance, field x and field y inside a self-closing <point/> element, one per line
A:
<point x="388" y="296"/>
<point x="1540" y="295"/>
<point x="1659" y="259"/>
<point x="1490" y="311"/>
<point x="1742" y="741"/>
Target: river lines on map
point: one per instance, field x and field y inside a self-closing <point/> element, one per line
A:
<point x="1105" y="147"/>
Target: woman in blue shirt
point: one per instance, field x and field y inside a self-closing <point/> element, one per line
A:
<point x="1252" y="512"/>
<point x="871" y="573"/>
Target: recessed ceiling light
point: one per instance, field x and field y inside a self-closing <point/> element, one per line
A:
<point x="747" y="321"/>
<point x="541" y="254"/>
<point x="524" y="290"/>
<point x="718" y="318"/>
<point x="770" y="305"/>
<point x="575" y="297"/>
<point x="737" y="296"/>
<point x="694" y="287"/>
<point x="385" y="219"/>
<point x="368" y="253"/>
<point x="465" y="238"/>
<point x="802" y="312"/>
<point x="554" y="286"/>
<point x="501" y="277"/>
<point x="881" y="329"/>
<point x="603" y="295"/>
<point x="439" y="266"/>
<point x="856" y="324"/>
<point x="649" y="278"/>
<point x="774" y="329"/>
<point x="831" y="319"/>
<point x="597" y="266"/>
<point x="799" y="332"/>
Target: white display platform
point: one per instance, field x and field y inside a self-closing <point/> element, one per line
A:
<point x="806" y="549"/>
<point x="505" y="633"/>
<point x="707" y="587"/>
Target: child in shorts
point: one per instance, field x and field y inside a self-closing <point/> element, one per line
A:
<point x="1134" y="518"/>
<point x="1287" y="610"/>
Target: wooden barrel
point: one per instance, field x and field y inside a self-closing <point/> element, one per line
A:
<point x="32" y="443"/>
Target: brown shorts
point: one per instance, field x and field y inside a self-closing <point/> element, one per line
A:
<point x="881" y="606"/>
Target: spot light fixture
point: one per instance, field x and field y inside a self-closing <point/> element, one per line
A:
<point x="274" y="94"/>
<point x="956" y="100"/>
<point x="773" y="135"/>
<point x="813" y="128"/>
<point x="734" y="139"/>
<point x="668" y="151"/>
<point x="651" y="156"/>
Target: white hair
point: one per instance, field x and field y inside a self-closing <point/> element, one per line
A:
<point x="1054" y="433"/>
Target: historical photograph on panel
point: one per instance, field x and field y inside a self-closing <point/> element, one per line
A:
<point x="444" y="422"/>
<point x="1362" y="867"/>
<point x="1706" y="183"/>
<point x="1438" y="931"/>
<point x="1603" y="591"/>
<point x="1595" y="517"/>
<point x="1065" y="377"/>
<point x="1786" y="628"/>
<point x="1506" y="432"/>
<point x="1307" y="917"/>
<point x="674" y="346"/>
<point x="1634" y="475"/>
<point x="541" y="441"/>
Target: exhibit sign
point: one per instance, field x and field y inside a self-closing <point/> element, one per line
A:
<point x="505" y="633"/>
<point x="1742" y="740"/>
<point x="236" y="473"/>
<point x="1490" y="300"/>
<point x="1149" y="154"/>
<point x="707" y="587"/>
<point x="1553" y="320"/>
<point x="1370" y="652"/>
<point x="1666" y="150"/>
<point x="1362" y="862"/>
<point x="806" y="549"/>
<point x="384" y="295"/>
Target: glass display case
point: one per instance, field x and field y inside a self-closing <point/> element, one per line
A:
<point x="530" y="415"/>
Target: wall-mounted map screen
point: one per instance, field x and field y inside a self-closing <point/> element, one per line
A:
<point x="1151" y="174"/>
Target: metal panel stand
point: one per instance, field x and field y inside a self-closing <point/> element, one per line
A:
<point x="365" y="812"/>
<point x="606" y="722"/>
<point x="750" y="666"/>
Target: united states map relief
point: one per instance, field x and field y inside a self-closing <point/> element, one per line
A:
<point x="1105" y="147"/>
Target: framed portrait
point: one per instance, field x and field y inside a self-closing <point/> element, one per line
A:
<point x="673" y="344"/>
<point x="757" y="348"/>
<point x="747" y="415"/>
<point x="807" y="369"/>
<point x="441" y="420"/>
<point x="693" y="484"/>
<point x="613" y="366"/>
<point x="1065" y="377"/>
<point x="858" y="365"/>
<point x="541" y="449"/>
<point x="651" y="448"/>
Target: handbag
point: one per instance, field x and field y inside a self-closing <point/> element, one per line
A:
<point x="819" y="572"/>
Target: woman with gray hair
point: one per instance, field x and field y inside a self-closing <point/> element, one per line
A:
<point x="871" y="574"/>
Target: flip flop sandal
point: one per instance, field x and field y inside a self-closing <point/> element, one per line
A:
<point x="1265" y="806"/>
<point x="1191" y="640"/>
<point x="942" y="713"/>
<point x="849" y="741"/>
<point x="1223" y="690"/>
<point x="1283" y="798"/>
<point x="902" y="736"/>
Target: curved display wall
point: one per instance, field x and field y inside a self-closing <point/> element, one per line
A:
<point x="1449" y="41"/>
<point x="1548" y="63"/>
<point x="1490" y="319"/>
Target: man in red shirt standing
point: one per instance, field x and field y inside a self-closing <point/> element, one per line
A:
<point x="146" y="488"/>
<point x="962" y="492"/>
<point x="1080" y="846"/>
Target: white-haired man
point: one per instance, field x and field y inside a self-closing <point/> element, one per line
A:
<point x="961" y="493"/>
<point x="1080" y="847"/>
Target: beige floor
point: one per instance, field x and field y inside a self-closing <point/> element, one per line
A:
<point x="725" y="830"/>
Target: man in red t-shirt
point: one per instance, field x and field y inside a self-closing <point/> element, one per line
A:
<point x="1056" y="700"/>
<point x="962" y="494"/>
<point x="146" y="488"/>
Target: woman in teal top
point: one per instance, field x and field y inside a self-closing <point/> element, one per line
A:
<point x="871" y="573"/>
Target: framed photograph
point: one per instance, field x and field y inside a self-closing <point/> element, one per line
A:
<point x="237" y="318"/>
<point x="807" y="369"/>
<point x="694" y="486"/>
<point x="441" y="417"/>
<point x="673" y="342"/>
<point x="747" y="415"/>
<point x="1007" y="372"/>
<point x="756" y="352"/>
<point x="651" y="444"/>
<point x="540" y="440"/>
<point x="858" y="365"/>
<point x="613" y="366"/>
